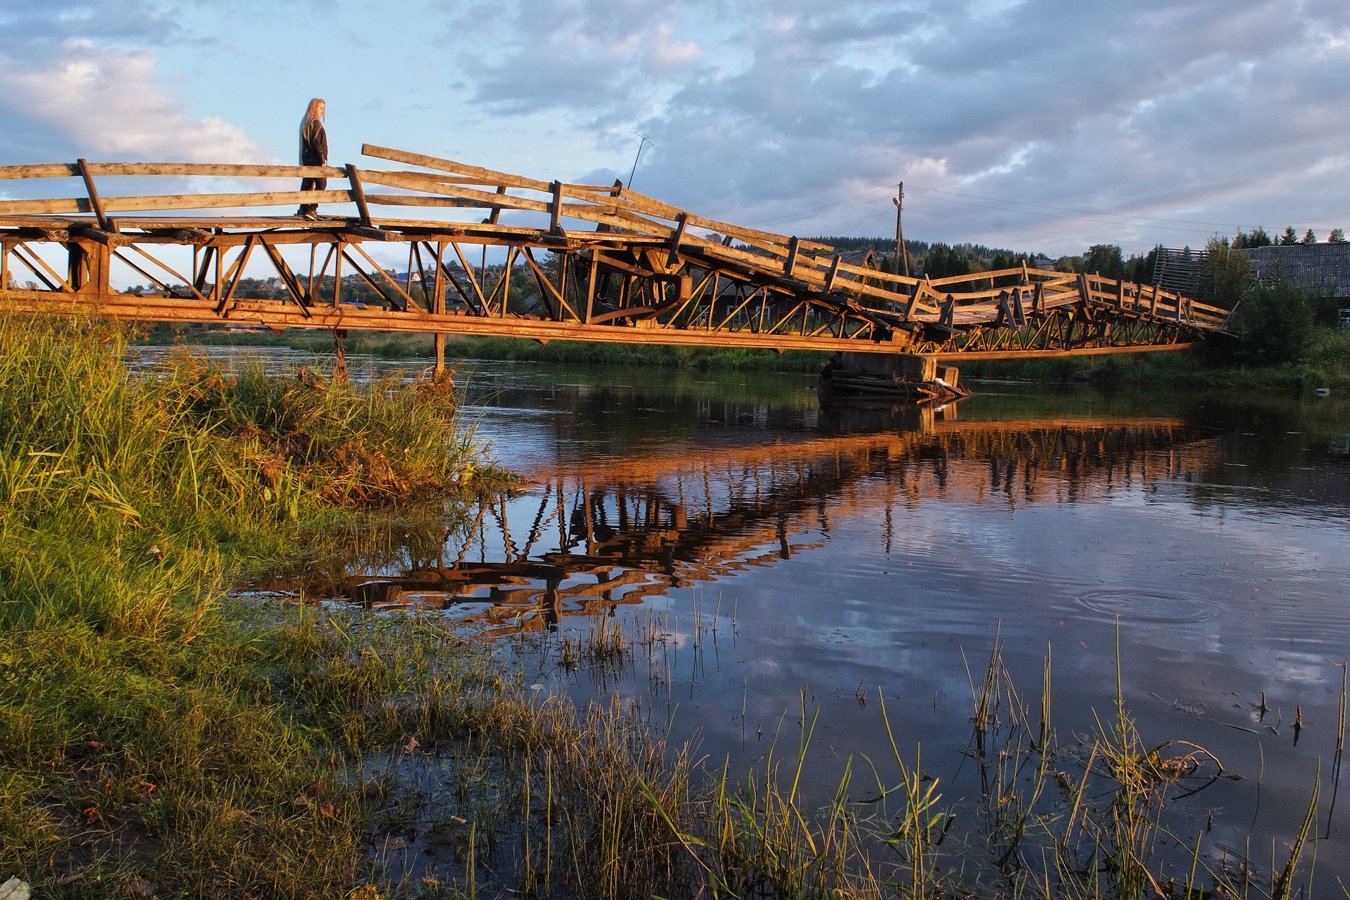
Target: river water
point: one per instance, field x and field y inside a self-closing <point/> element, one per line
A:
<point x="800" y="563"/>
<point x="776" y="563"/>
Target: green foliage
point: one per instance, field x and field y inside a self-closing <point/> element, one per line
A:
<point x="1105" y="260"/>
<point x="942" y="261"/>
<point x="1228" y="274"/>
<point x="1257" y="237"/>
<point x="385" y="441"/>
<point x="1337" y="236"/>
<point x="1290" y="236"/>
<point x="1274" y="324"/>
<point x="1139" y="269"/>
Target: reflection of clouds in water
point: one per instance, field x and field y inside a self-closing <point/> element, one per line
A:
<point x="1302" y="668"/>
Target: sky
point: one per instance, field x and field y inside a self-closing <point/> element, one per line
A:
<point x="1032" y="125"/>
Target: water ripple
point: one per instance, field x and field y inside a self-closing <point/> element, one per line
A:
<point x="1151" y="606"/>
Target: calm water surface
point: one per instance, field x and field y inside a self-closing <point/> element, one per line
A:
<point x="822" y="561"/>
<point x="775" y="562"/>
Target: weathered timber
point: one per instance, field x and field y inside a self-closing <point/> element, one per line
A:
<point x="634" y="270"/>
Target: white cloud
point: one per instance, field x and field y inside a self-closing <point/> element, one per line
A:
<point x="91" y="101"/>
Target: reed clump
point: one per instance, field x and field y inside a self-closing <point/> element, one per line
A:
<point x="147" y="742"/>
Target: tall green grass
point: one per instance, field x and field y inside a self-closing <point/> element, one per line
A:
<point x="144" y="736"/>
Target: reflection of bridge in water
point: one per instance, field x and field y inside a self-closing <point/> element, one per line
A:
<point x="590" y="536"/>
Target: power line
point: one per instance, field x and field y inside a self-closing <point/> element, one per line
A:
<point x="841" y="204"/>
<point x="1123" y="219"/>
<point x="1081" y="212"/>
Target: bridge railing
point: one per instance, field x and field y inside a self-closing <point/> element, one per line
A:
<point x="412" y="203"/>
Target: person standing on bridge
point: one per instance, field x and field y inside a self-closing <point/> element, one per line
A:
<point x="313" y="152"/>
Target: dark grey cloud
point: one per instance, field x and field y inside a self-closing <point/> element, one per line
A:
<point x="1047" y="124"/>
<point x="1161" y="116"/>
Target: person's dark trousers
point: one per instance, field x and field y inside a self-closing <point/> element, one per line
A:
<point x="311" y="184"/>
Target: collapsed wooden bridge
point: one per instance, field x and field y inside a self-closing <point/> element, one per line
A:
<point x="568" y="262"/>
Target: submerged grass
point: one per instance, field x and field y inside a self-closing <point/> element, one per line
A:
<point x="158" y="739"/>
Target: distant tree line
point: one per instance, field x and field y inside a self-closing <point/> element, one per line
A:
<point x="1259" y="237"/>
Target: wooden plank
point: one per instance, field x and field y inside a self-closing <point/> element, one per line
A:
<point x="600" y="196"/>
<point x="55" y="170"/>
<point x="458" y="168"/>
<point x="372" y="233"/>
<point x="41" y="170"/>
<point x="488" y="201"/>
<point x="172" y="201"/>
<point x="106" y="238"/>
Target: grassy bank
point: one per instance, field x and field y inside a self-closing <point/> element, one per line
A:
<point x="160" y="739"/>
<point x="147" y="743"/>
<point x="1325" y="364"/>
<point x="415" y="346"/>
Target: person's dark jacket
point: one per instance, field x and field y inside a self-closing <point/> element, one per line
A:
<point x="313" y="144"/>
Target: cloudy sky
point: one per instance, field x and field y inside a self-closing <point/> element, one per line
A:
<point x="1045" y="125"/>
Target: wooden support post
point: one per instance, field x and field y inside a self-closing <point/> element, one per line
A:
<point x="438" y="307"/>
<point x="337" y="277"/>
<point x="104" y="223"/>
<point x="555" y="209"/>
<point x="1005" y="314"/>
<point x="790" y="266"/>
<point x="834" y="272"/>
<point x="682" y="220"/>
<point x="948" y="315"/>
<point x="496" y="210"/>
<point x="88" y="267"/>
<point x="591" y="281"/>
<point x="358" y="195"/>
<point x="1084" y="296"/>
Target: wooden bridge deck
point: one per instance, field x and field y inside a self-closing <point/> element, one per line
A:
<point x="598" y="263"/>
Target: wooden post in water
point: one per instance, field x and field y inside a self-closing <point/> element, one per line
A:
<point x="340" y="351"/>
<point x="438" y="307"/>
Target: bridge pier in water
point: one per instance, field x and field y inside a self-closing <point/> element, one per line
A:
<point x="890" y="376"/>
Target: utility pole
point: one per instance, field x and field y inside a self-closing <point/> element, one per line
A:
<point x="901" y="251"/>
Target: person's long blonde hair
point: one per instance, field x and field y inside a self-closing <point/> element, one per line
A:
<point x="315" y="110"/>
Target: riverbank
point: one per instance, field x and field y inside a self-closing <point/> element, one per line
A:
<point x="161" y="737"/>
<point x="157" y="737"/>
<point x="1326" y="364"/>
